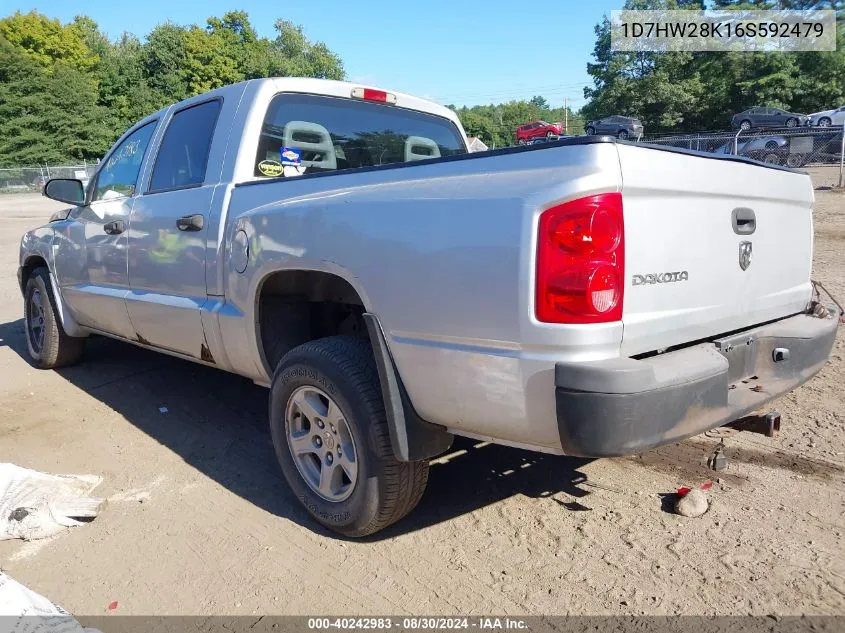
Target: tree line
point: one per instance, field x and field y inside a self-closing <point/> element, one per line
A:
<point x="686" y="92"/>
<point x="67" y="91"/>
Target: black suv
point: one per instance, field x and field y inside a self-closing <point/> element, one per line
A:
<point x="619" y="126"/>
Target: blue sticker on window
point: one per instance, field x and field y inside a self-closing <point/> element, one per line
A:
<point x="291" y="156"/>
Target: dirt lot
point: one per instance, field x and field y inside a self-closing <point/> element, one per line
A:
<point x="200" y="522"/>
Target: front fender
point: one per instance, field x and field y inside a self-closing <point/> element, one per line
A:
<point x="37" y="249"/>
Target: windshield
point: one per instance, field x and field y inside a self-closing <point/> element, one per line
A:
<point x="310" y="133"/>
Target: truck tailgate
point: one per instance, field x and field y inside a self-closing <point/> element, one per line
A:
<point x="711" y="246"/>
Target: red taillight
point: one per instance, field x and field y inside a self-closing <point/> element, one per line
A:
<point x="371" y="94"/>
<point x="581" y="261"/>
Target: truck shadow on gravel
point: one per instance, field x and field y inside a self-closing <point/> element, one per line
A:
<point x="217" y="423"/>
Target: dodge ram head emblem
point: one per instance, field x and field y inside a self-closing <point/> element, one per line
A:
<point x="744" y="255"/>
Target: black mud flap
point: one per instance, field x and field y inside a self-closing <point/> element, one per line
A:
<point x="413" y="439"/>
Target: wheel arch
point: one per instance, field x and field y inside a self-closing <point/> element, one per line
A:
<point x="29" y="265"/>
<point x="33" y="262"/>
<point x="295" y="306"/>
<point x="287" y="297"/>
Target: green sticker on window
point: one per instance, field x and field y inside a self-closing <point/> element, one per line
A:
<point x="270" y="168"/>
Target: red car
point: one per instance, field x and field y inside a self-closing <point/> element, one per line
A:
<point x="536" y="129"/>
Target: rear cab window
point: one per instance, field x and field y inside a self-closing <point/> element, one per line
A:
<point x="305" y="134"/>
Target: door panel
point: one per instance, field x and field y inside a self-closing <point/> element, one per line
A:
<point x="167" y="238"/>
<point x="167" y="269"/>
<point x="91" y="247"/>
<point x="91" y="267"/>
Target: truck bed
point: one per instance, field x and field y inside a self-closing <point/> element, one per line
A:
<point x="443" y="252"/>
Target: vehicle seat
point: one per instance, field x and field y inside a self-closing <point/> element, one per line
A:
<point x="420" y="148"/>
<point x="314" y="141"/>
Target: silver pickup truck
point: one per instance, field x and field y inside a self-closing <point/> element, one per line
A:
<point x="338" y="244"/>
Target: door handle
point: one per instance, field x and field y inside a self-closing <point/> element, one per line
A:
<point x="744" y="221"/>
<point x="190" y="222"/>
<point x="114" y="228"/>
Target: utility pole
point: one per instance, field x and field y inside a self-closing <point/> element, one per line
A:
<point x="565" y="116"/>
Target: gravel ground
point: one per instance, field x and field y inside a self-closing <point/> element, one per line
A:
<point x="199" y="520"/>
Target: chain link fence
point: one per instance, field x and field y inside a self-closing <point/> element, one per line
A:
<point x="793" y="147"/>
<point x="32" y="179"/>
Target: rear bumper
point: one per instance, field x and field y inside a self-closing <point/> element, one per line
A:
<point x="624" y="406"/>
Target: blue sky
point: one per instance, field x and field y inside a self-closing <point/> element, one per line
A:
<point x="463" y="52"/>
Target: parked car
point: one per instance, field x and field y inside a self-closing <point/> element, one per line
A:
<point x="764" y="117"/>
<point x="827" y="118"/>
<point x="620" y="126"/>
<point x="548" y="139"/>
<point x="776" y="150"/>
<point x="338" y="245"/>
<point x="536" y="129"/>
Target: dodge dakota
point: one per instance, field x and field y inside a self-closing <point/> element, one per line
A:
<point x="337" y="244"/>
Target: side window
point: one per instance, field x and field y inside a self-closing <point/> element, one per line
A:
<point x="183" y="156"/>
<point x="118" y="178"/>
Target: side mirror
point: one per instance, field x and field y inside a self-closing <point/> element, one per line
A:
<point x="65" y="190"/>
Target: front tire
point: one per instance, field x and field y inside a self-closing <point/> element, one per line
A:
<point x="49" y="346"/>
<point x="521" y="141"/>
<point x="792" y="122"/>
<point x="591" y="131"/>
<point x="331" y="438"/>
<point x="745" y="125"/>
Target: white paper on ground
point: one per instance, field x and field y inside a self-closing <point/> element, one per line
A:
<point x="35" y="505"/>
<point x="24" y="611"/>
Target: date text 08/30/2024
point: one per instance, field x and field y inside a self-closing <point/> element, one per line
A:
<point x="418" y="623"/>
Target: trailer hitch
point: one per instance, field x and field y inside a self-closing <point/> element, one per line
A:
<point x="767" y="424"/>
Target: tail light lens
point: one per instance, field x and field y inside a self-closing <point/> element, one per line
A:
<point x="581" y="261"/>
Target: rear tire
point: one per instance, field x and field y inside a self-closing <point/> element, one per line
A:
<point x="521" y="141"/>
<point x="771" y="158"/>
<point x="622" y="134"/>
<point x="825" y="122"/>
<point x="343" y="370"/>
<point x="49" y="346"/>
